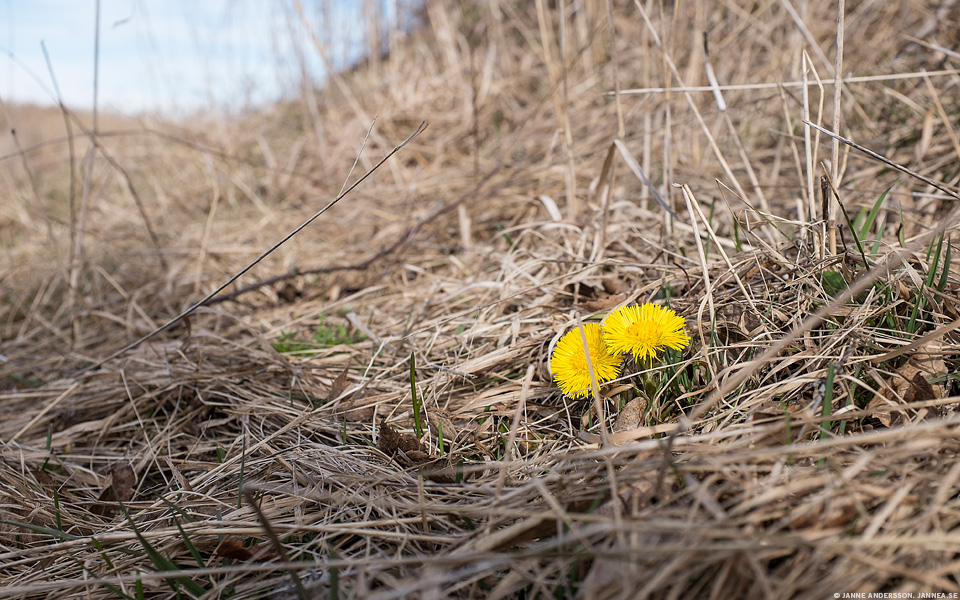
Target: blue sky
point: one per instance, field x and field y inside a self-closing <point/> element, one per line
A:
<point x="171" y="56"/>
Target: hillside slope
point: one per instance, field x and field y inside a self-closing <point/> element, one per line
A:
<point x="369" y="411"/>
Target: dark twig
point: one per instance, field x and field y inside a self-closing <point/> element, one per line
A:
<point x="367" y="262"/>
<point x="885" y="160"/>
<point x="266" y="253"/>
<point x="275" y="540"/>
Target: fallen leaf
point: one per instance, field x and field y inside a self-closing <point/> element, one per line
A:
<point x="339" y="384"/>
<point x="629" y="417"/>
<point x="882" y="410"/>
<point x="118" y="486"/>
<point x="440" y="422"/>
<point x="604" y="302"/>
<point x="390" y="441"/>
<point x="910" y="384"/>
<point x="288" y="293"/>
<point x="234" y="549"/>
<point x="839" y="511"/>
<point x="739" y="322"/>
<point x="354" y="409"/>
<point x="442" y="471"/>
<point x="613" y="285"/>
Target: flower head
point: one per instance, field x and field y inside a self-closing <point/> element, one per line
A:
<point x="644" y="330"/>
<point x="569" y="361"/>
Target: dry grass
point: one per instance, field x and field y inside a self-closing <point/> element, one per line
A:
<point x="800" y="447"/>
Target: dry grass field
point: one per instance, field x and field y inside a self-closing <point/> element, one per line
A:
<point x="369" y="411"/>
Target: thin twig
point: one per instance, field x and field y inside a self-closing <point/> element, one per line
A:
<point x="266" y="253"/>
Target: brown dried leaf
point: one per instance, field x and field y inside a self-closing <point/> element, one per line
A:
<point x="825" y="514"/>
<point x="629" y="417"/>
<point x="442" y="471"/>
<point x="233" y="548"/>
<point x="442" y="422"/>
<point x="288" y="293"/>
<point x="769" y="411"/>
<point x="605" y="302"/>
<point x="118" y="486"/>
<point x="339" y="384"/>
<point x="881" y="409"/>
<point x="739" y="322"/>
<point x="391" y="440"/>
<point x="354" y="410"/>
<point x="613" y="285"/>
<point x="911" y="384"/>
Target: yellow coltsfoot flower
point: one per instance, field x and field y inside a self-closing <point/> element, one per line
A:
<point x="569" y="361"/>
<point x="644" y="330"/>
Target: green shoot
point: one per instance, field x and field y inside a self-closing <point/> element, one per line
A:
<point x="325" y="335"/>
<point x="189" y="544"/>
<point x="162" y="563"/>
<point x="900" y="237"/>
<point x="928" y="283"/>
<point x="417" y="425"/>
<point x="440" y="436"/>
<point x="46" y="461"/>
<point x="506" y="236"/>
<point x="871" y="217"/>
<point x="853" y="229"/>
<point x="826" y="426"/>
<point x="41" y="529"/>
<point x="177" y="509"/>
<point x="942" y="283"/>
<point x="106" y="558"/>
<point x="334" y="579"/>
<point x="56" y="509"/>
<point x="243" y="464"/>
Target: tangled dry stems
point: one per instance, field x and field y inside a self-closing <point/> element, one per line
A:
<point x="454" y="254"/>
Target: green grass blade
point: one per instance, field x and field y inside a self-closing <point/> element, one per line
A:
<point x="935" y="263"/>
<point x="876" y="243"/>
<point x="918" y="306"/>
<point x="872" y="216"/>
<point x="860" y="218"/>
<point x="164" y="564"/>
<point x="912" y="323"/>
<point x="56" y="509"/>
<point x="334" y="579"/>
<point x="189" y="544"/>
<point x="440" y="436"/>
<point x="243" y="464"/>
<point x="900" y="238"/>
<point x="418" y="428"/>
<point x="942" y="283"/>
<point x="103" y="553"/>
<point x="40" y="529"/>
<point x="177" y="510"/>
<point x="827" y="402"/>
<point x="853" y="230"/>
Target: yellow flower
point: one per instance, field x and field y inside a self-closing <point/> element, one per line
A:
<point x="569" y="361"/>
<point x="644" y="330"/>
